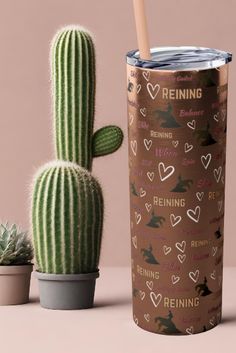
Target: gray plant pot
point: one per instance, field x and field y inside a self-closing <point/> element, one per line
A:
<point x="67" y="292"/>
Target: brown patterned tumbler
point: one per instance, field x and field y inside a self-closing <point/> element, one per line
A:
<point x="177" y="108"/>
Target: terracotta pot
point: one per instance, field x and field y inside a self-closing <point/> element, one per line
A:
<point x="67" y="292"/>
<point x="15" y="284"/>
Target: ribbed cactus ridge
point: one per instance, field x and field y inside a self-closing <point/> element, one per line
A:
<point x="67" y="219"/>
<point x="73" y="78"/>
<point x="73" y="86"/>
<point x="107" y="140"/>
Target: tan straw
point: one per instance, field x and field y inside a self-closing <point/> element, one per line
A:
<point x="141" y="28"/>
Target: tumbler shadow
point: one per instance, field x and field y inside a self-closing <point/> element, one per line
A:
<point x="100" y="303"/>
<point x="33" y="300"/>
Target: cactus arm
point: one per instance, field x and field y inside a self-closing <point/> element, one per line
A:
<point x="107" y="140"/>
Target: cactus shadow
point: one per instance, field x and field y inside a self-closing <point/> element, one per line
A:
<point x="102" y="303"/>
<point x="33" y="300"/>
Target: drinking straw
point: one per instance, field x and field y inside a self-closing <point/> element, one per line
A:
<point x="141" y="29"/>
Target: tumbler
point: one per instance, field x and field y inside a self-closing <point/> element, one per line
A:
<point x="177" y="110"/>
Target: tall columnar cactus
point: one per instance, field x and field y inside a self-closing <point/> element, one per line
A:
<point x="67" y="217"/>
<point x="74" y="84"/>
<point x="67" y="205"/>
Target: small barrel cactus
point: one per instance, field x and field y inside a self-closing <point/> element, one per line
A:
<point x="15" y="246"/>
<point x="67" y="214"/>
<point x="73" y="86"/>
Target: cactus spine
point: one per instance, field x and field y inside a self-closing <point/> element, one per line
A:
<point x="74" y="85"/>
<point x="67" y="212"/>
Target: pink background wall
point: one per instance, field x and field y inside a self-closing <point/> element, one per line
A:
<point x="26" y="28"/>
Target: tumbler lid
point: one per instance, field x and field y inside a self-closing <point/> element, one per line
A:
<point x="181" y="58"/>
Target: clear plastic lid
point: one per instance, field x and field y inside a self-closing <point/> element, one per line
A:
<point x="180" y="58"/>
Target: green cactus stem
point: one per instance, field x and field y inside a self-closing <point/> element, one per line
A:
<point x="73" y="86"/>
<point x="107" y="140"/>
<point x="67" y="219"/>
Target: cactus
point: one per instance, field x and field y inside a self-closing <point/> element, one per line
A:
<point x="73" y="86"/>
<point x="15" y="246"/>
<point x="67" y="219"/>
<point x="67" y="202"/>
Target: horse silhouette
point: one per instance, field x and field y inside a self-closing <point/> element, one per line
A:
<point x="204" y="136"/>
<point x="148" y="256"/>
<point x="133" y="189"/>
<point x="207" y="79"/>
<point x="218" y="233"/>
<point x="166" y="325"/>
<point x="202" y="288"/>
<point x="182" y="185"/>
<point x="130" y="86"/>
<point x="135" y="292"/>
<point x="166" y="118"/>
<point x="156" y="221"/>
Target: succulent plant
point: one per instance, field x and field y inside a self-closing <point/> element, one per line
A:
<point x="67" y="215"/>
<point x="73" y="86"/>
<point x="15" y="246"/>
